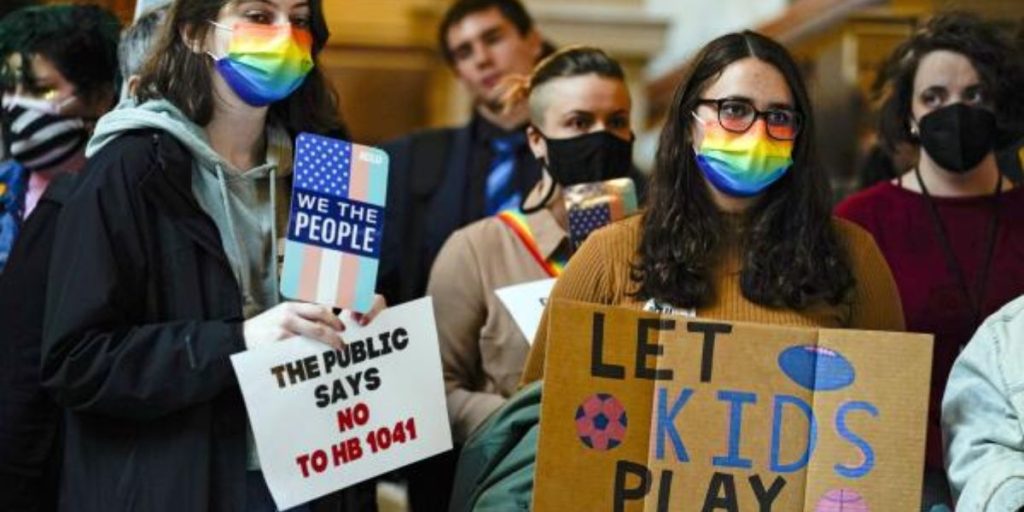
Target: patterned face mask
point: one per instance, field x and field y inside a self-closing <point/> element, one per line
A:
<point x="265" y="63"/>
<point x="41" y="137"/>
<point x="742" y="164"/>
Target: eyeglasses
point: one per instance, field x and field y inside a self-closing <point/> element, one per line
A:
<point x="738" y="115"/>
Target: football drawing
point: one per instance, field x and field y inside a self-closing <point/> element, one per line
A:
<point x="816" y="368"/>
<point x="601" y="422"/>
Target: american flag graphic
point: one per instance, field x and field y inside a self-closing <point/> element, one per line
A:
<point x="333" y="246"/>
<point x="585" y="220"/>
<point x="595" y="205"/>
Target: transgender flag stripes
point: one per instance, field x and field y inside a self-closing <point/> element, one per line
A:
<point x="332" y="250"/>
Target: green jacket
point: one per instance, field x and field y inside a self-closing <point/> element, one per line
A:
<point x="495" y="471"/>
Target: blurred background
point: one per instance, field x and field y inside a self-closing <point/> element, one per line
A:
<point x="383" y="59"/>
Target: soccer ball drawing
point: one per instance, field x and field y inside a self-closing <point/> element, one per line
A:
<point x="601" y="422"/>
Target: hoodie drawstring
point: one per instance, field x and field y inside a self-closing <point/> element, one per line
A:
<point x="245" y="280"/>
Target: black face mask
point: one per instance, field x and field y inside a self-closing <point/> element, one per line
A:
<point x="959" y="136"/>
<point x="598" y="156"/>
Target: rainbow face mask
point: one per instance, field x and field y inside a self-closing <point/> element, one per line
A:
<point x="265" y="63"/>
<point x="742" y="164"/>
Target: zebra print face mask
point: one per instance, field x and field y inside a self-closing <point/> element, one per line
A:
<point x="41" y="138"/>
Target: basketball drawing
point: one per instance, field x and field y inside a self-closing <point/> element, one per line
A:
<point x="841" y="500"/>
<point x="601" y="422"/>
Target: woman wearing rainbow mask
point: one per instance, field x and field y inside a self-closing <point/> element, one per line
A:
<point x="170" y="260"/>
<point x="738" y="225"/>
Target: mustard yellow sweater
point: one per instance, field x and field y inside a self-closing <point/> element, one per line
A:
<point x="599" y="273"/>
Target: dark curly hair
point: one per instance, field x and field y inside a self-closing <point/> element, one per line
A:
<point x="792" y="256"/>
<point x="80" y="41"/>
<point x="999" y="65"/>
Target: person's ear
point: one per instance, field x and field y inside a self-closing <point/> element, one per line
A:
<point x="190" y="39"/>
<point x="133" y="83"/>
<point x="536" y="43"/>
<point x="915" y="130"/>
<point x="538" y="146"/>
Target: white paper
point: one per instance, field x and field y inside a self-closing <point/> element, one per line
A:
<point x="288" y="424"/>
<point x="525" y="302"/>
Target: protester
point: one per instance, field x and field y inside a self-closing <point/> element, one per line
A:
<point x="169" y="261"/>
<point x="738" y="226"/>
<point x="29" y="420"/>
<point x="580" y="132"/>
<point x="134" y="47"/>
<point x="444" y="179"/>
<point x="981" y="415"/>
<point x="60" y="68"/>
<point x="948" y="227"/>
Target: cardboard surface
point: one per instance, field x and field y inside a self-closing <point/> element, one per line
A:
<point x="649" y="412"/>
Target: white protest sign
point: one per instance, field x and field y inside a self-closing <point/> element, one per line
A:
<point x="325" y="419"/>
<point x="525" y="302"/>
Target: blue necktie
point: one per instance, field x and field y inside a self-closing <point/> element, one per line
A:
<point x="501" y="192"/>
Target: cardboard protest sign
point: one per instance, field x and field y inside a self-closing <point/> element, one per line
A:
<point x="525" y="302"/>
<point x="649" y="412"/>
<point x="336" y="226"/>
<point x="325" y="419"/>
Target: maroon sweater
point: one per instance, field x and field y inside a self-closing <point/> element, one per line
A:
<point x="933" y="301"/>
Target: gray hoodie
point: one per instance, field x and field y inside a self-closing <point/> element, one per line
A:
<point x="243" y="204"/>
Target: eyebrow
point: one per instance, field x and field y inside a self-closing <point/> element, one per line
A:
<point x="577" y="112"/>
<point x="774" y="105"/>
<point x="271" y="3"/>
<point x="493" y="31"/>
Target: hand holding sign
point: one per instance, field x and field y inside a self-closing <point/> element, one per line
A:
<point x="291" y="319"/>
<point x="324" y="419"/>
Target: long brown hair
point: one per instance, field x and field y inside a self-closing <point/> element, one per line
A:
<point x="792" y="257"/>
<point x="176" y="72"/>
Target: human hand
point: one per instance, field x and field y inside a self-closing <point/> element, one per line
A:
<point x="290" y="319"/>
<point x="364" y="319"/>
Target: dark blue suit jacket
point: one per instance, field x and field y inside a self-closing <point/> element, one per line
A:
<point x="426" y="188"/>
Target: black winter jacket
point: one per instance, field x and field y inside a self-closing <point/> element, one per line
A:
<point x="142" y="314"/>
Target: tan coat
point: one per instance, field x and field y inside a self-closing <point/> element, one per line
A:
<point x="482" y="349"/>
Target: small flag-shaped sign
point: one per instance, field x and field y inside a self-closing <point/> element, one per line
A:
<point x="336" y="226"/>
<point x="595" y="205"/>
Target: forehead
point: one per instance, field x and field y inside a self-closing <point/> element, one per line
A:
<point x="587" y="93"/>
<point x="944" y="68"/>
<point x="475" y="24"/>
<point x="43" y="69"/>
<point x="752" y="78"/>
